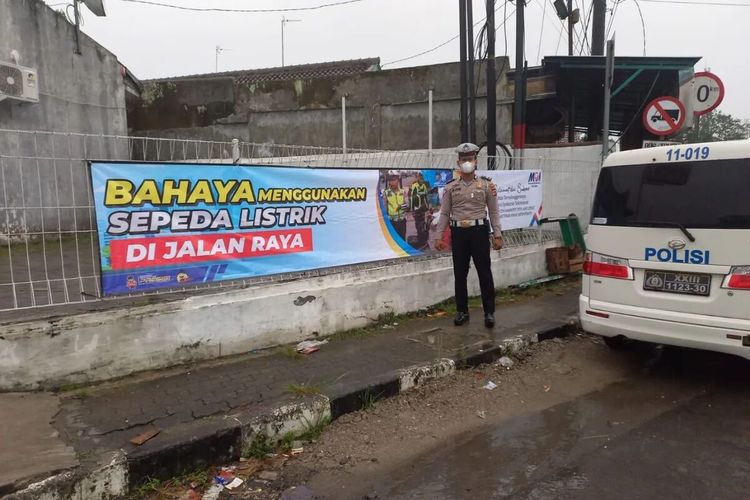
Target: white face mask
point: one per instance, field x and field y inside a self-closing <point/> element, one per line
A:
<point x="467" y="167"/>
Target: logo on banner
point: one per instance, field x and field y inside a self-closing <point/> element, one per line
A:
<point x="535" y="177"/>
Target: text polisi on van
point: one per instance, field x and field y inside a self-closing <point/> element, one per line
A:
<point x="678" y="256"/>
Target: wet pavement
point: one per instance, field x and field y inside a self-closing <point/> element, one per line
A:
<point x="677" y="427"/>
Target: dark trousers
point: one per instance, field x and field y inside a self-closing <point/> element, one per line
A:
<point x="400" y="227"/>
<point x="420" y="217"/>
<point x="472" y="243"/>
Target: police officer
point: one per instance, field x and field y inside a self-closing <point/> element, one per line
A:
<point x="466" y="203"/>
<point x="418" y="202"/>
<point x="396" y="204"/>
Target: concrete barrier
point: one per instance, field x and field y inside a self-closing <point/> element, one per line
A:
<point x="96" y="346"/>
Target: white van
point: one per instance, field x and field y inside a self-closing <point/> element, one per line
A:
<point x="668" y="257"/>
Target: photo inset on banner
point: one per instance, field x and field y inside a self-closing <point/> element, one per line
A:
<point x="410" y="205"/>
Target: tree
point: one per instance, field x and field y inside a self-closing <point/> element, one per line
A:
<point x="716" y="126"/>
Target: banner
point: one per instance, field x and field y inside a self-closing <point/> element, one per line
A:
<point x="167" y="225"/>
<point x="519" y="194"/>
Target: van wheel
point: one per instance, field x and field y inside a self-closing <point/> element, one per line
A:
<point x="618" y="343"/>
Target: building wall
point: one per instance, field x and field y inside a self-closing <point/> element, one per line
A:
<point x="384" y="109"/>
<point x="78" y="94"/>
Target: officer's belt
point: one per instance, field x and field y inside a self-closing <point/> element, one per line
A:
<point x="468" y="223"/>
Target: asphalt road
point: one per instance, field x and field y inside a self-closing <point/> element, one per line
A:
<point x="677" y="427"/>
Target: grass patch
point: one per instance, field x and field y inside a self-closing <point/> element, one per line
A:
<point x="314" y="429"/>
<point x="385" y="319"/>
<point x="51" y="243"/>
<point x="156" y="487"/>
<point x="303" y="389"/>
<point x="448" y="307"/>
<point x="260" y="446"/>
<point x="146" y="488"/>
<point x="289" y="351"/>
<point x="71" y="387"/>
<point x="369" y="400"/>
<point x="287" y="440"/>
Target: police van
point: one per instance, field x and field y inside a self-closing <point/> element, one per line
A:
<point x="668" y="248"/>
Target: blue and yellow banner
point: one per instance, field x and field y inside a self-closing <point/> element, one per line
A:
<point x="171" y="225"/>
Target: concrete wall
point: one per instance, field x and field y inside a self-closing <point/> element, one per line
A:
<point x="78" y="93"/>
<point x="385" y="109"/>
<point x="101" y="345"/>
<point x="570" y="175"/>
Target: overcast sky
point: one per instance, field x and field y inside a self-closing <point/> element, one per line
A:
<point x="157" y="42"/>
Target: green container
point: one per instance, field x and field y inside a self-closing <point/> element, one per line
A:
<point x="570" y="229"/>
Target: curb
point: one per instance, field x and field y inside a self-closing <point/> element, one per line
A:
<point x="223" y="440"/>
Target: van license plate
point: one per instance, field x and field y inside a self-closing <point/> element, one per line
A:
<point x="686" y="283"/>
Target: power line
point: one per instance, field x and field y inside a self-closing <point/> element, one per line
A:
<point x="433" y="49"/>
<point x="685" y="2"/>
<point x="577" y="37"/>
<point x="585" y="29"/>
<point x="254" y="11"/>
<point x="541" y="33"/>
<point x="559" y="39"/>
<point x="638" y="113"/>
<point x="643" y="25"/>
<point x="612" y="17"/>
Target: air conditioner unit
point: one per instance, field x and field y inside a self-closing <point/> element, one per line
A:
<point x="18" y="82"/>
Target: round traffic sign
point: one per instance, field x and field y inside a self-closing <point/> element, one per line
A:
<point x="664" y="116"/>
<point x="709" y="92"/>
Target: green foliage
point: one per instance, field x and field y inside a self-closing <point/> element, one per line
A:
<point x="314" y="429"/>
<point x="716" y="126"/>
<point x="289" y="351"/>
<point x="154" y="487"/>
<point x="303" y="389"/>
<point x="259" y="447"/>
<point x="369" y="399"/>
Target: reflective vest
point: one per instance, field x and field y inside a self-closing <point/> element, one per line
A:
<point x="419" y="196"/>
<point x="395" y="204"/>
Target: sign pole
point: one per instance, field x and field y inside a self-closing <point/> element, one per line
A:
<point x="697" y="129"/>
<point x="608" y="76"/>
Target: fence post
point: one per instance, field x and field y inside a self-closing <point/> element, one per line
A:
<point x="343" y="123"/>
<point x="429" y="125"/>
<point x="235" y="151"/>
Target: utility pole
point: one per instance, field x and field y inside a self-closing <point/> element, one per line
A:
<point x="598" y="21"/>
<point x="284" y="21"/>
<point x="470" y="82"/>
<point x="519" y="127"/>
<point x="462" y="70"/>
<point x="572" y="109"/>
<point x="570" y="27"/>
<point x="609" y="74"/>
<point x="78" y="26"/>
<point x="491" y="87"/>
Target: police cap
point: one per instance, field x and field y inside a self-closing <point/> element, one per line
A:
<point x="467" y="148"/>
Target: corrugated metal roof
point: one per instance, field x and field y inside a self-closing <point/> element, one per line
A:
<point x="298" y="72"/>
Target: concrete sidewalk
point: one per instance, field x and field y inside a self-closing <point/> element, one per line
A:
<point x="208" y="413"/>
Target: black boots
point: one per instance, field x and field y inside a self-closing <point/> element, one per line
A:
<point x="489" y="320"/>
<point x="461" y="318"/>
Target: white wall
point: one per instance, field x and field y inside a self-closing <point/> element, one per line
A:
<point x="101" y="345"/>
<point x="570" y="175"/>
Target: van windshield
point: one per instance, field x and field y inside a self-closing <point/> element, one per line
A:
<point x="705" y="194"/>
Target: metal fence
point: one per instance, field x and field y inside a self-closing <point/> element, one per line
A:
<point x="49" y="253"/>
